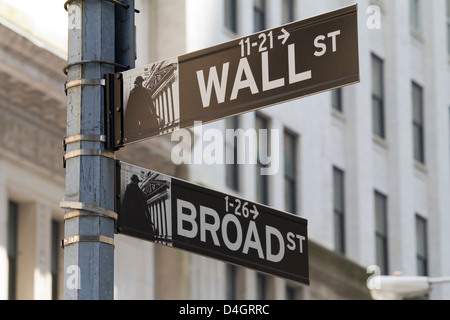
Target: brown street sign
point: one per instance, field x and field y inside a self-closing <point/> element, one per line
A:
<point x="175" y="213"/>
<point x="242" y="75"/>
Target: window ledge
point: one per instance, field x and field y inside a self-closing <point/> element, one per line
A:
<point x="229" y="33"/>
<point x="417" y="34"/>
<point x="380" y="142"/>
<point x="338" y="115"/>
<point x="420" y="167"/>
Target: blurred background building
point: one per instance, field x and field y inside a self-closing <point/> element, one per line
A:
<point x="368" y="165"/>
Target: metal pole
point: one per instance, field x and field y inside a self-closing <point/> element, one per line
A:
<point x="89" y="200"/>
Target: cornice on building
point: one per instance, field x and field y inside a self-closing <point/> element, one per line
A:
<point x="32" y="103"/>
<point x="34" y="65"/>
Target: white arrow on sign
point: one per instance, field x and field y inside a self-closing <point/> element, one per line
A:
<point x="284" y="36"/>
<point x="255" y="212"/>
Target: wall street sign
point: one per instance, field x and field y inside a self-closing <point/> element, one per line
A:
<point x="169" y="211"/>
<point x="246" y="74"/>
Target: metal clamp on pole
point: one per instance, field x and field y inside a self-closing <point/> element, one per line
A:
<point x="118" y="65"/>
<point x="83" y="82"/>
<point x="87" y="152"/>
<point x="83" y="137"/>
<point x="66" y="4"/>
<point x="86" y="238"/>
<point x="92" y="210"/>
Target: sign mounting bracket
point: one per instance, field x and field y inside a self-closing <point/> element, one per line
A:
<point x="114" y="111"/>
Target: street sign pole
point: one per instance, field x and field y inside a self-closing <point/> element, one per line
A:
<point x="89" y="200"/>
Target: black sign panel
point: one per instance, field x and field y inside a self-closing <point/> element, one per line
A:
<point x="175" y="213"/>
<point x="260" y="70"/>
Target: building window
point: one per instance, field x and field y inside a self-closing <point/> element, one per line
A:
<point x="259" y="15"/>
<point x="231" y="15"/>
<point x="421" y="243"/>
<point x="338" y="191"/>
<point x="336" y="99"/>
<point x="261" y="286"/>
<point x="262" y="181"/>
<point x="381" y="241"/>
<point x="55" y="253"/>
<point x="288" y="11"/>
<point x="232" y="169"/>
<point x="231" y="282"/>
<point x="377" y="97"/>
<point x="13" y="213"/>
<point x="414" y="15"/>
<point x="290" y="171"/>
<point x="448" y="27"/>
<point x="418" y="123"/>
<point x="290" y="292"/>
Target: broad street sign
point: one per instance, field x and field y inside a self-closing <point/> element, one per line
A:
<point x="246" y="74"/>
<point x="175" y="213"/>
